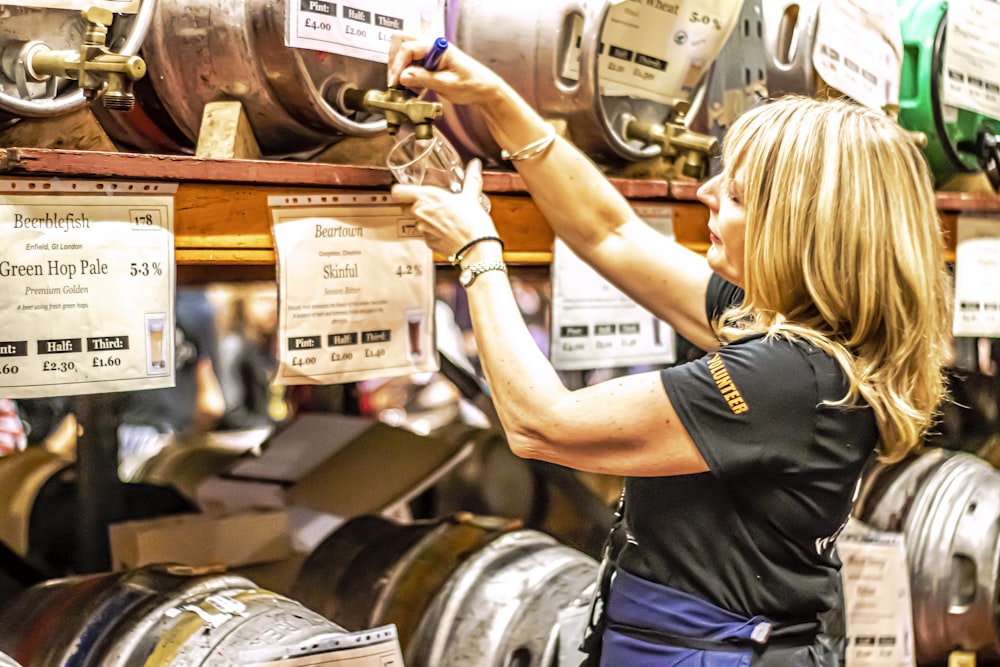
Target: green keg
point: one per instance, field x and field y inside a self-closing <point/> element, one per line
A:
<point x="958" y="140"/>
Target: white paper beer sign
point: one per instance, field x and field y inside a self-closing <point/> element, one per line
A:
<point x="971" y="48"/>
<point x="355" y="290"/>
<point x="655" y="50"/>
<point x="977" y="256"/>
<point x="86" y="287"/>
<point x="593" y="324"/>
<point x="859" y="50"/>
<point x="361" y="29"/>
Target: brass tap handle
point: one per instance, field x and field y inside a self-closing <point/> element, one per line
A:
<point x="93" y="65"/>
<point x="398" y="107"/>
<point x="676" y="141"/>
<point x="98" y="21"/>
<point x="671" y="136"/>
<point x="693" y="141"/>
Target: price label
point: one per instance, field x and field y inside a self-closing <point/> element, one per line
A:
<point x="360" y="29"/>
<point x="356" y="291"/>
<point x="86" y="289"/>
<point x="971" y="43"/>
<point x="655" y="50"/>
<point x="859" y="50"/>
<point x="594" y="325"/>
<point x="977" y="260"/>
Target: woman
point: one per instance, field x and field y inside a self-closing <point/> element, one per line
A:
<point x="822" y="306"/>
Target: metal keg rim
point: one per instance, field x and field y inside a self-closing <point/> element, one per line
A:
<point x="448" y="604"/>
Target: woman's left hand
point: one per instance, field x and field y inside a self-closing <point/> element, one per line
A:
<point x="448" y="221"/>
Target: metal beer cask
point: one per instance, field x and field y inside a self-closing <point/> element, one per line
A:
<point x="373" y="570"/>
<point x="499" y="606"/>
<point x="162" y="615"/>
<point x="947" y="505"/>
<point x="551" y="53"/>
<point x="201" y="51"/>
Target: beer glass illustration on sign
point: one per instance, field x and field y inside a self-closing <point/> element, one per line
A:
<point x="414" y="321"/>
<point x="156" y="354"/>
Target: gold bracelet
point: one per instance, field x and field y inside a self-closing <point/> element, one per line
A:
<point x="531" y="150"/>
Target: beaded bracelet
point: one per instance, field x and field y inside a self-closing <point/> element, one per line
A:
<point x="456" y="259"/>
<point x="531" y="150"/>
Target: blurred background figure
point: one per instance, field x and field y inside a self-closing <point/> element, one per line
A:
<point x="248" y="356"/>
<point x="152" y="419"/>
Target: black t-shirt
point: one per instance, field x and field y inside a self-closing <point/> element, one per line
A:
<point x="756" y="533"/>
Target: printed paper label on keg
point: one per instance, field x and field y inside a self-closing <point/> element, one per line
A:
<point x="877" y="597"/>
<point x="359" y="29"/>
<point x="634" y="58"/>
<point x="970" y="79"/>
<point x="977" y="258"/>
<point x="86" y="294"/>
<point x="859" y="50"/>
<point x="355" y="293"/>
<point x="119" y="6"/>
<point x="386" y="654"/>
<point x="594" y="325"/>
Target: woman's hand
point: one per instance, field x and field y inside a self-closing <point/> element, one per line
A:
<point x="459" y="78"/>
<point x="449" y="220"/>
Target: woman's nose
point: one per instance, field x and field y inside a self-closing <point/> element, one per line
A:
<point x="708" y="193"/>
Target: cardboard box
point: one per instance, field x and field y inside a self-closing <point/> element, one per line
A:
<point x="201" y="540"/>
<point x="347" y="466"/>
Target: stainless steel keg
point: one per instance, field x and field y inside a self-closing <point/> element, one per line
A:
<point x="201" y="51"/>
<point x="614" y="72"/>
<point x="947" y="505"/>
<point x="461" y="590"/>
<point x="171" y="615"/>
<point x="500" y="605"/>
<point x="373" y="570"/>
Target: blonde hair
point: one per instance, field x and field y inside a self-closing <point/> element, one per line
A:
<point x="844" y="250"/>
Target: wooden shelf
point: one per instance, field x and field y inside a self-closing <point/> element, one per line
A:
<point x="222" y="222"/>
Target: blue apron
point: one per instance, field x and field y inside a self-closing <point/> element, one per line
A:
<point x="648" y="624"/>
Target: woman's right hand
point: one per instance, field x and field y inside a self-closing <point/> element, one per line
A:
<point x="459" y="78"/>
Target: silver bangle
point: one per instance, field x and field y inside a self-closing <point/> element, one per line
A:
<point x="531" y="150"/>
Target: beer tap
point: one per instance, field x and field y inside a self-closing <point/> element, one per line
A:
<point x="398" y="105"/>
<point x="676" y="140"/>
<point x="96" y="68"/>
